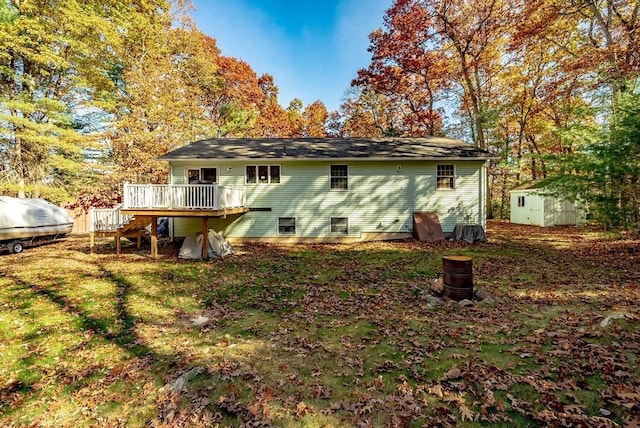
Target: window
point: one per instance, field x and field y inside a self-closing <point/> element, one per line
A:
<point x="339" y="225"/>
<point x="202" y="175"/>
<point x="286" y="225"/>
<point x="445" y="178"/>
<point x="339" y="177"/>
<point x="521" y="201"/>
<point x="263" y="174"/>
<point x="274" y="174"/>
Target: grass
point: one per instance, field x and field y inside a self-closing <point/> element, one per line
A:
<point x="323" y="335"/>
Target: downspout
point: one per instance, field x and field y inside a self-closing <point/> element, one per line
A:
<point x="483" y="199"/>
<point x="170" y="219"/>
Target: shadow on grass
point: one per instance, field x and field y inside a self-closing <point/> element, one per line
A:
<point x="125" y="337"/>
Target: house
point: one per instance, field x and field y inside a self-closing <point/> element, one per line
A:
<point x="311" y="189"/>
<point x="334" y="189"/>
<point x="537" y="206"/>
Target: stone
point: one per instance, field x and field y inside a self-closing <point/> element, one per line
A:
<point x="434" y="300"/>
<point x="437" y="285"/>
<point x="465" y="302"/>
<point x="481" y="294"/>
<point x="605" y="322"/>
<point x="199" y="322"/>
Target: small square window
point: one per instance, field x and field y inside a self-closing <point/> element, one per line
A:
<point x="209" y="175"/>
<point x="339" y="177"/>
<point x="445" y="178"/>
<point x="339" y="225"/>
<point x="286" y="225"/>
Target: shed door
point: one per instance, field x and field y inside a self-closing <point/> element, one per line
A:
<point x="535" y="210"/>
<point x="565" y="213"/>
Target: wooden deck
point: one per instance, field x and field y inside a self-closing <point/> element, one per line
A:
<point x="144" y="204"/>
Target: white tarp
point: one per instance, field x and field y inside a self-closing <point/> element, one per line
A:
<point x="217" y="247"/>
<point x="28" y="217"/>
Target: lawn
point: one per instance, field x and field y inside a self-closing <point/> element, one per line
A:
<point x="324" y="335"/>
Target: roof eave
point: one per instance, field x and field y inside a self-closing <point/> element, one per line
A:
<point x="336" y="159"/>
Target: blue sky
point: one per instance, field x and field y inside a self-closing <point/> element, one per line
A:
<point x="312" y="48"/>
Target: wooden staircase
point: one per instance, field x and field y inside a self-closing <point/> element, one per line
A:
<point x="135" y="224"/>
<point x="118" y="226"/>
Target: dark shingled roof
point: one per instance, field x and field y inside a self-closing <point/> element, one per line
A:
<point x="425" y="148"/>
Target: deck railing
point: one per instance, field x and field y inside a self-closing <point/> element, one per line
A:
<point x="183" y="196"/>
<point x="107" y="219"/>
<point x="165" y="196"/>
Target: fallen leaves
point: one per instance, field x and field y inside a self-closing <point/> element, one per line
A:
<point x="343" y="333"/>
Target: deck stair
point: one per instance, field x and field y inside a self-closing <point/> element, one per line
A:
<point x="135" y="224"/>
<point x="110" y="222"/>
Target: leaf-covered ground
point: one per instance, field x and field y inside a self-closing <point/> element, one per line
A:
<point x="324" y="335"/>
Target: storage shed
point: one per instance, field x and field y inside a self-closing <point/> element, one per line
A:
<point x="537" y="207"/>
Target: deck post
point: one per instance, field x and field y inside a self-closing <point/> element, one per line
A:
<point x="154" y="237"/>
<point x="205" y="238"/>
<point x="117" y="242"/>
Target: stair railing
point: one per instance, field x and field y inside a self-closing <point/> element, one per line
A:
<point x="107" y="219"/>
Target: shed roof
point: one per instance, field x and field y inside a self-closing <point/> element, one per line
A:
<point x="424" y="148"/>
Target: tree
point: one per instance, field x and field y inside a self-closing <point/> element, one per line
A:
<point x="163" y="79"/>
<point x="315" y="118"/>
<point x="235" y="108"/>
<point x="272" y="121"/>
<point x="604" y="170"/>
<point x="368" y="114"/>
<point x="53" y="69"/>
<point x="429" y="46"/>
<point x="294" y="115"/>
<point x="600" y="37"/>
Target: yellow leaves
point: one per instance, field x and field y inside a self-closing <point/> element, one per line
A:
<point x="466" y="414"/>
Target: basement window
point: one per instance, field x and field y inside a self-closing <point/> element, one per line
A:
<point x="286" y="225"/>
<point x="339" y="225"/>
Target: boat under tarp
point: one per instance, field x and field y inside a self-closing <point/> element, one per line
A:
<point x="29" y="218"/>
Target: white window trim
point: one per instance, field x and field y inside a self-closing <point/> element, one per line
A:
<point x="446" y="189"/>
<point x="199" y="168"/>
<point x="348" y="177"/>
<point x="257" y="166"/>
<point x="295" y="222"/>
<point x="338" y="233"/>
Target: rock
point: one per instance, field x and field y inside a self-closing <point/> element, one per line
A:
<point x="434" y="300"/>
<point x="605" y="322"/>
<point x="465" y="302"/>
<point x="481" y="294"/>
<point x="199" y="322"/>
<point x="453" y="373"/>
<point x="437" y="285"/>
<point x="180" y="384"/>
